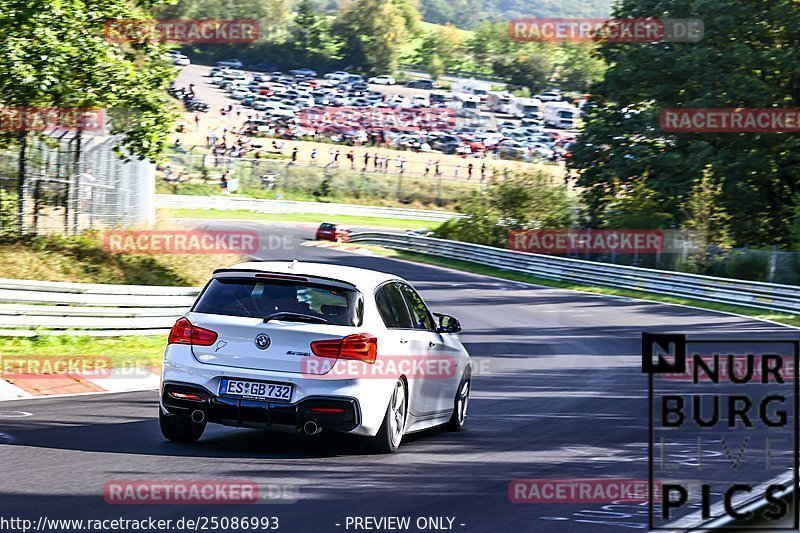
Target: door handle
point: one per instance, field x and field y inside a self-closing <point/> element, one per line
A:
<point x="403" y="341"/>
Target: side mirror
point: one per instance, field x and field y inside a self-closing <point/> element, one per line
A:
<point x="448" y="324"/>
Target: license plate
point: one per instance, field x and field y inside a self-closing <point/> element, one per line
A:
<point x="255" y="390"/>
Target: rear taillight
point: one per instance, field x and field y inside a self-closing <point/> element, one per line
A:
<point x="186" y="396"/>
<point x="184" y="332"/>
<point x="361" y="347"/>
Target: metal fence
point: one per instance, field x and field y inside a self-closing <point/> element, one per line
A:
<point x="36" y="307"/>
<point x="771" y="266"/>
<point x="280" y="178"/>
<point x="74" y="183"/>
<point x="28" y="308"/>
<point x="773" y="297"/>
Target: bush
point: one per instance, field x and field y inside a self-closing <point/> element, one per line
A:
<point x="522" y="201"/>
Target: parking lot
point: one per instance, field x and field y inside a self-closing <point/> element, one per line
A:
<point x="277" y="106"/>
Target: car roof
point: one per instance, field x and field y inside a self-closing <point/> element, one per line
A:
<point x="363" y="279"/>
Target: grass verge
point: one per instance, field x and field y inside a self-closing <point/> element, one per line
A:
<point x="317" y="218"/>
<point x="123" y="352"/>
<point x="85" y="259"/>
<point x="783" y="318"/>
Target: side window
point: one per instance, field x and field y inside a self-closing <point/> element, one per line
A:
<point x="420" y="314"/>
<point x="392" y="307"/>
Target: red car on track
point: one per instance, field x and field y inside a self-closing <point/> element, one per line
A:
<point x="332" y="232"/>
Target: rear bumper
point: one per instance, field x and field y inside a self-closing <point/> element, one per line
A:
<point x="333" y="413"/>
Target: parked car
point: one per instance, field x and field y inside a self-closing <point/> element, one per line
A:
<point x="231" y="63"/>
<point x="382" y="80"/>
<point x="178" y="58"/>
<point x="307" y="72"/>
<point x="421" y="84"/>
<point x="549" y="96"/>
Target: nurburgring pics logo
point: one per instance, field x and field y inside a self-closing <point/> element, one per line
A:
<point x="730" y="120"/>
<point x="378" y="118"/>
<point x="620" y="30"/>
<point x="181" y="31"/>
<point x="732" y="424"/>
<point x="153" y="242"/>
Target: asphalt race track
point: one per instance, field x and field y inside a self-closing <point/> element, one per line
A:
<point x="560" y="395"/>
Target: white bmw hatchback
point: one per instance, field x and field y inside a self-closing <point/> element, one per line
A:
<point x="308" y="347"/>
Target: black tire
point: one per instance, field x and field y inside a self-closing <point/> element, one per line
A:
<point x="178" y="428"/>
<point x="459" y="416"/>
<point x="387" y="440"/>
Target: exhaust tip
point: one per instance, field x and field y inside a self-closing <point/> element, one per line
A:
<point x="198" y="416"/>
<point x="311" y="428"/>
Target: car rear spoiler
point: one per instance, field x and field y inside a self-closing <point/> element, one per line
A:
<point x="279" y="276"/>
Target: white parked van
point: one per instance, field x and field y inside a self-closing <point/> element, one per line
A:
<point x="561" y="115"/>
<point x="526" y="108"/>
<point x="466" y="101"/>
<point x="499" y="102"/>
<point x="474" y="87"/>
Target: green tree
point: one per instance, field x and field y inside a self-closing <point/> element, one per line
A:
<point x="373" y="31"/>
<point x="435" y="67"/>
<point x="522" y="201"/>
<point x="634" y="206"/>
<point x="706" y="219"/>
<point x="579" y="67"/>
<point x="747" y="58"/>
<point x="311" y="36"/>
<point x="445" y="43"/>
<point x="272" y="15"/>
<point x="57" y="55"/>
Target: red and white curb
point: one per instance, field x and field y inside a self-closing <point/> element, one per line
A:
<point x="117" y="380"/>
<point x="341" y="246"/>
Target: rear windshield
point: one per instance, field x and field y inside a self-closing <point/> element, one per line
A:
<point x="255" y="298"/>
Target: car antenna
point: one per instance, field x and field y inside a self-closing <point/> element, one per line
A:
<point x="295" y="262"/>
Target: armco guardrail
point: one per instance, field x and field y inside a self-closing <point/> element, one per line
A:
<point x="31" y="307"/>
<point x="227" y="203"/>
<point x="773" y="297"/>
